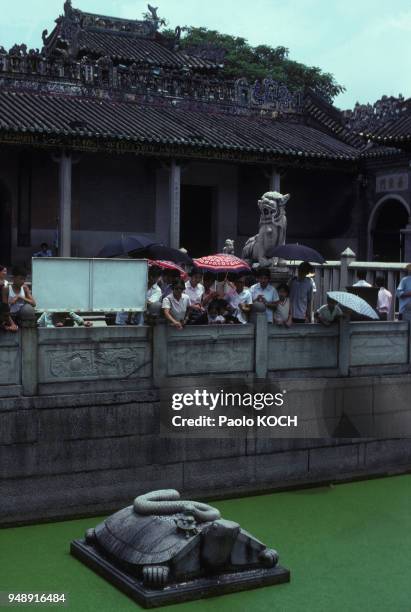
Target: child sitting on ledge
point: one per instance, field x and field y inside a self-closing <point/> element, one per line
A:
<point x="62" y="319"/>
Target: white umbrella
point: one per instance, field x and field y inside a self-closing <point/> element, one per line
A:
<point x="354" y="303"/>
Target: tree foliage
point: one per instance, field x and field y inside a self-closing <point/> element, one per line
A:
<point x="260" y="62"/>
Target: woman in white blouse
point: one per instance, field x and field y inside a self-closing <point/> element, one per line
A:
<point x="176" y="306"/>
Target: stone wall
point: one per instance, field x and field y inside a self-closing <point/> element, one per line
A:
<point x="80" y="426"/>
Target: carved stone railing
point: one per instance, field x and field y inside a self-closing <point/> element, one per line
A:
<point x="74" y="360"/>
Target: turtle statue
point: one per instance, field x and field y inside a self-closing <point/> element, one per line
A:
<point x="164" y="540"/>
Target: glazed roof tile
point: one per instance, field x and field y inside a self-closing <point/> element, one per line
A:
<point x="143" y="123"/>
<point x="396" y="131"/>
<point x="136" y="49"/>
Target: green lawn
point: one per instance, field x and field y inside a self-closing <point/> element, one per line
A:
<point x="348" y="548"/>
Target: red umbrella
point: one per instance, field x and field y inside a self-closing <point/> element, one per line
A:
<point x="168" y="265"/>
<point x="221" y="262"/>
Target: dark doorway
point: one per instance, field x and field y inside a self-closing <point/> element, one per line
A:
<point x="5" y="227"/>
<point x="196" y="220"/>
<point x="391" y="217"/>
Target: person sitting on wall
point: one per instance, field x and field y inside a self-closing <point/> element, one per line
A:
<point x="301" y="294"/>
<point x="6" y="323"/>
<point x="384" y="299"/>
<point x="283" y="314"/>
<point x="194" y="291"/>
<point x="404" y="295"/>
<point x="62" y="319"/>
<point x="264" y="293"/>
<point x="176" y="306"/>
<point x="329" y="313"/>
<point x="362" y="279"/>
<point x="44" y="251"/>
<point x="18" y="297"/>
<point x="240" y="300"/>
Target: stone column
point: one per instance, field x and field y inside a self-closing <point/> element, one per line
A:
<point x="65" y="166"/>
<point x="174" y="198"/>
<point x="406" y="242"/>
<point x="347" y="257"/>
<point x="274" y="179"/>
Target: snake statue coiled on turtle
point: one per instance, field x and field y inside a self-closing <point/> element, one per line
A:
<point x="167" y="501"/>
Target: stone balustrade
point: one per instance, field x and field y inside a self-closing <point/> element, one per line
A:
<point x="80" y="360"/>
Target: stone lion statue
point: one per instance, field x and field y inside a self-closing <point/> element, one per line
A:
<point x="229" y="246"/>
<point x="272" y="229"/>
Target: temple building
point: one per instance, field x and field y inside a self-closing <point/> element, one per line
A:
<point x="111" y="128"/>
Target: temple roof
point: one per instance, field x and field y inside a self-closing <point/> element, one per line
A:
<point x="110" y="83"/>
<point x="189" y="130"/>
<point x="79" y="34"/>
<point x="396" y="132"/>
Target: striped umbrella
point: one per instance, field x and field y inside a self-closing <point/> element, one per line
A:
<point x="354" y="303"/>
<point x="221" y="262"/>
<point x="168" y="265"/>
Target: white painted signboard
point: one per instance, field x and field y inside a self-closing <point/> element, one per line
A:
<point x="89" y="285"/>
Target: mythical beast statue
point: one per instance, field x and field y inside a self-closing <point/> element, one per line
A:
<point x="272" y="230"/>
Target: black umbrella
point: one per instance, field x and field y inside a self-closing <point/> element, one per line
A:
<point x="125" y="244"/>
<point x="159" y="251"/>
<point x="296" y="252"/>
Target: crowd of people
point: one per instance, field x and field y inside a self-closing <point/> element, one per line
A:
<point x="209" y="299"/>
<point x="206" y="299"/>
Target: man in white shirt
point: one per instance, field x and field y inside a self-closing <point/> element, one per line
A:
<point x="384" y="300"/>
<point x="176" y="306"/>
<point x="194" y="290"/>
<point x="362" y="279"/>
<point x="263" y="292"/>
<point x="240" y="300"/>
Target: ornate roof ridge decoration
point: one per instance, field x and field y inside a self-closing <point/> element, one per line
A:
<point x="34" y="71"/>
<point x="141" y="27"/>
<point x="367" y="118"/>
<point x="78" y="32"/>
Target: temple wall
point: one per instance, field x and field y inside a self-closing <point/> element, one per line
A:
<point x="328" y="210"/>
<point x="110" y="194"/>
<point x="80" y="415"/>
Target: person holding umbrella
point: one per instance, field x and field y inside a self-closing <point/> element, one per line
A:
<point x="301" y="294"/>
<point x="329" y="313"/>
